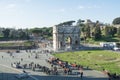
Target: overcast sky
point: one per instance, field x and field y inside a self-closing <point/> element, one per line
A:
<point x="40" y="13"/>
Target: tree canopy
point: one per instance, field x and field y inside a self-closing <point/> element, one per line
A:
<point x="6" y="32"/>
<point x="116" y="21"/>
<point x="67" y="23"/>
<point x="44" y="32"/>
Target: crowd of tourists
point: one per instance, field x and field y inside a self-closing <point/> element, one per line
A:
<point x="67" y="68"/>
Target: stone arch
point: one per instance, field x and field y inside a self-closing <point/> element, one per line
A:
<point x="63" y="33"/>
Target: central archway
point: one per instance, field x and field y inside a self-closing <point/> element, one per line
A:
<point x="68" y="42"/>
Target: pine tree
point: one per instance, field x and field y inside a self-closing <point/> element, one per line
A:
<point x="106" y="31"/>
<point x="87" y="30"/>
<point x="97" y="31"/>
<point x="118" y="32"/>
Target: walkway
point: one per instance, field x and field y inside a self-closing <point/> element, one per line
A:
<point x="7" y="70"/>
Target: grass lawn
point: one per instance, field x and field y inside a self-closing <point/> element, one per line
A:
<point x="95" y="59"/>
<point x="26" y="43"/>
<point x="103" y="39"/>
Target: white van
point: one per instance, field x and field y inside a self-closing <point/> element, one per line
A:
<point x="116" y="49"/>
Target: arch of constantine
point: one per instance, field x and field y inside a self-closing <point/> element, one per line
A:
<point x="66" y="36"/>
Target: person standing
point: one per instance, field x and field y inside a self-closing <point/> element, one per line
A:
<point x="21" y="59"/>
<point x="81" y="74"/>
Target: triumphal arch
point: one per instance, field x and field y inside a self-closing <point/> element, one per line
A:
<point x="66" y="36"/>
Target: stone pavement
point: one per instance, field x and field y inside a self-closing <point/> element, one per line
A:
<point x="8" y="73"/>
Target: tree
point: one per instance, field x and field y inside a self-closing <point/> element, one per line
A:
<point x="110" y="31"/>
<point x="13" y="34"/>
<point x="113" y="31"/>
<point x="6" y="33"/>
<point x="66" y="23"/>
<point x="87" y="31"/>
<point x="27" y="34"/>
<point x="118" y="32"/>
<point x="107" y="31"/>
<point x="80" y="23"/>
<point x="50" y="30"/>
<point x="97" y="31"/>
<point x="44" y="32"/>
<point x="22" y="34"/>
<point x="116" y="21"/>
<point x="82" y="28"/>
<point x="36" y="30"/>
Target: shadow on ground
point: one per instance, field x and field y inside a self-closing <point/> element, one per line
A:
<point x="11" y="76"/>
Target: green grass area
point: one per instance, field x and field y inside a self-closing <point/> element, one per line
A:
<point x="27" y="43"/>
<point x="7" y="44"/>
<point x="95" y="59"/>
<point x="103" y="39"/>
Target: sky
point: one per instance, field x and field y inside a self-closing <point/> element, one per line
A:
<point x="47" y="13"/>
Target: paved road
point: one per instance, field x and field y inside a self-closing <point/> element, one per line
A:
<point x="7" y="70"/>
